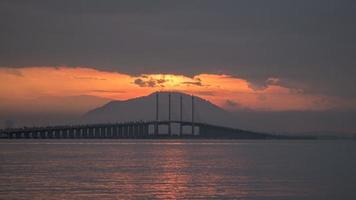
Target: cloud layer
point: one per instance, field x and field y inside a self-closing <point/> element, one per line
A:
<point x="22" y="84"/>
<point x="310" y="44"/>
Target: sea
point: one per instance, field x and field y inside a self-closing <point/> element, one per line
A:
<point x="178" y="169"/>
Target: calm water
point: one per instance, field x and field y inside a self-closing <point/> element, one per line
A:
<point x="177" y="169"/>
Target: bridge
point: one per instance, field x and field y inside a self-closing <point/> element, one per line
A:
<point x="137" y="129"/>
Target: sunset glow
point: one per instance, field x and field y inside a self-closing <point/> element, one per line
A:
<point x="229" y="92"/>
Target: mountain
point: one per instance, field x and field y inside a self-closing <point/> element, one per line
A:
<point x="144" y="108"/>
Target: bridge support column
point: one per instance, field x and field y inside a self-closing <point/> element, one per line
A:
<point x="180" y="129"/>
<point x="65" y="133"/>
<point x="142" y="130"/>
<point x="71" y="133"/>
<point x="90" y="132"/>
<point x="130" y="131"/>
<point x="115" y="131"/>
<point x="35" y="134"/>
<point x="50" y="134"/>
<point x="123" y="130"/>
<point x="95" y="132"/>
<point x="156" y="129"/>
<point x="43" y="134"/>
<point x="147" y="129"/>
<point x="83" y="132"/>
<point x="109" y="132"/>
<point x="76" y="132"/>
<point x="136" y="130"/>
<point x="102" y="132"/>
<point x="119" y="131"/>
<point x="105" y="132"/>
<point x="56" y="134"/>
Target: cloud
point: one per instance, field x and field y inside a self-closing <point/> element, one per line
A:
<point x="197" y="83"/>
<point x="296" y="91"/>
<point x="261" y="97"/>
<point x="231" y="103"/>
<point x="272" y="81"/>
<point x="214" y="37"/>
<point x="89" y="78"/>
<point x="147" y="83"/>
<point x="14" y="72"/>
<point x="258" y="85"/>
<point x="108" y="91"/>
<point x="51" y="81"/>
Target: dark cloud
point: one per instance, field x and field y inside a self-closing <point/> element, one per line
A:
<point x="14" y="72"/>
<point x="231" y="103"/>
<point x="149" y="83"/>
<point x="308" y="44"/>
<point x="261" y="97"/>
<point x="108" y="91"/>
<point x="89" y="78"/>
<point x="196" y="83"/>
<point x="263" y="85"/>
<point x="143" y="83"/>
<point x="160" y="81"/>
<point x="296" y="91"/>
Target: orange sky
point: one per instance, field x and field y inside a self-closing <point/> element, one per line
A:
<point x="232" y="93"/>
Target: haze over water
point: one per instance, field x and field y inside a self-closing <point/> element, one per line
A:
<point x="177" y="169"/>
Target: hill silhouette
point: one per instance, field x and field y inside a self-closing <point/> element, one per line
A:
<point x="143" y="108"/>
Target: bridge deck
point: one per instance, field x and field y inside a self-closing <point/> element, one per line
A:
<point x="141" y="129"/>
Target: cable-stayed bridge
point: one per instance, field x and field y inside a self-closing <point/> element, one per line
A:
<point x="157" y="128"/>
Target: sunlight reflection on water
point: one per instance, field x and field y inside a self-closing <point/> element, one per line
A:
<point x="176" y="169"/>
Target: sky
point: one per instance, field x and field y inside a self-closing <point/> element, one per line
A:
<point x="227" y="91"/>
<point x="256" y="55"/>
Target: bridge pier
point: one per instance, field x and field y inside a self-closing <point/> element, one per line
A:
<point x="106" y="131"/>
<point x="130" y="131"/>
<point x="136" y="130"/>
<point x="65" y="133"/>
<point x="119" y="131"/>
<point x="147" y="129"/>
<point x="142" y="130"/>
<point x="133" y="126"/>
<point x="127" y="132"/>
<point x="77" y="133"/>
<point x="98" y="133"/>
<point x="123" y="131"/>
<point x="87" y="132"/>
<point x="156" y="129"/>
<point x="115" y="131"/>
<point x="70" y="133"/>
<point x="109" y="133"/>
<point x="42" y="134"/>
<point x="36" y="134"/>
<point x="27" y="135"/>
<point x="102" y="132"/>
